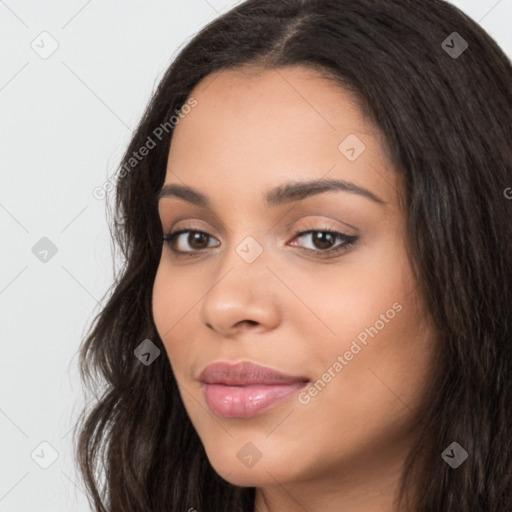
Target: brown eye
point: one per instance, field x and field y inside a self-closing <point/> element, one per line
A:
<point x="324" y="239"/>
<point x="196" y="240"/>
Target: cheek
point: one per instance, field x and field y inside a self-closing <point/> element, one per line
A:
<point x="351" y="296"/>
<point x="374" y="396"/>
<point x="162" y="302"/>
<point x="376" y="324"/>
<point x="176" y="290"/>
<point x="173" y="299"/>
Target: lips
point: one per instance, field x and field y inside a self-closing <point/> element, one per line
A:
<point x="245" y="389"/>
<point x="243" y="374"/>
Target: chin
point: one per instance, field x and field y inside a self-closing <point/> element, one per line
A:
<point x="247" y="477"/>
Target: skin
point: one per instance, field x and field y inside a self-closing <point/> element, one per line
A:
<point x="290" y="310"/>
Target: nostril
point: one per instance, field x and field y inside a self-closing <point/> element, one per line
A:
<point x="249" y="322"/>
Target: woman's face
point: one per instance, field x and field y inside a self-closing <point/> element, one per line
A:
<point x="240" y="286"/>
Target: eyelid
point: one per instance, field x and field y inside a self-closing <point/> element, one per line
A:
<point x="193" y="225"/>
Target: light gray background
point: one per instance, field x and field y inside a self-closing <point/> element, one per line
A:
<point x="65" y="122"/>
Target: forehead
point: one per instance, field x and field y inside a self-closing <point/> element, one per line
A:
<point x="252" y="126"/>
<point x="284" y="104"/>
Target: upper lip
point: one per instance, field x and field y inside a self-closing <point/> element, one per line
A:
<point x="245" y="373"/>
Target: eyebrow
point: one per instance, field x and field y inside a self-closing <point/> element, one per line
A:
<point x="282" y="194"/>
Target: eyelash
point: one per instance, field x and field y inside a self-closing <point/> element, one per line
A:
<point x="348" y="241"/>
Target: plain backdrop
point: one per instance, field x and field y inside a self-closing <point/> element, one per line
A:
<point x="65" y="121"/>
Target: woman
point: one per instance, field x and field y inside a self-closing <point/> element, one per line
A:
<point x="314" y="312"/>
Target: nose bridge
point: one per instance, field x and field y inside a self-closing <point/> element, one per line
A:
<point x="241" y="288"/>
<point x="245" y="261"/>
<point x="246" y="243"/>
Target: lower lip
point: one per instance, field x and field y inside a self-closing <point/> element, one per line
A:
<point x="247" y="401"/>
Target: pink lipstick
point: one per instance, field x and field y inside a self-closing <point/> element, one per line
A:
<point x="245" y="389"/>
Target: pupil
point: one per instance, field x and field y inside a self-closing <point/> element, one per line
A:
<point x="319" y="239"/>
<point x="196" y="237"/>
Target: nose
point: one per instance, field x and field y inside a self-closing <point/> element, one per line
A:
<point x="243" y="296"/>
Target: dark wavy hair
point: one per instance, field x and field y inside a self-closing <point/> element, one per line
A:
<point x="445" y="122"/>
